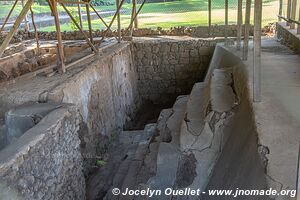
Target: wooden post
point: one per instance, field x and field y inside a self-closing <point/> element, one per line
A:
<point x="247" y="27"/>
<point x="26" y="19"/>
<point x="89" y="22"/>
<point x="239" y="24"/>
<point x="280" y="9"/>
<point x="257" y="51"/>
<point x="139" y="10"/>
<point x="102" y="19"/>
<point x="8" y="16"/>
<point x="298" y="26"/>
<point x="293" y="13"/>
<point x="119" y="21"/>
<point x="15" y="27"/>
<point x="226" y="22"/>
<point x="134" y="9"/>
<point x="133" y="13"/>
<point x="288" y="12"/>
<point x="80" y="15"/>
<point x="113" y="19"/>
<point x="60" y="47"/>
<point x="35" y="32"/>
<point x="209" y="17"/>
<point x="81" y="30"/>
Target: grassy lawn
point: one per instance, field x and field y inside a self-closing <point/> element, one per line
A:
<point x="170" y="14"/>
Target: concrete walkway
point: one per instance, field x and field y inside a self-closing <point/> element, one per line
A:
<point x="278" y="115"/>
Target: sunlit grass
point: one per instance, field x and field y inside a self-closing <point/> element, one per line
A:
<point x="170" y="14"/>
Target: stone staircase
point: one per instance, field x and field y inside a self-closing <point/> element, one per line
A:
<point x="182" y="148"/>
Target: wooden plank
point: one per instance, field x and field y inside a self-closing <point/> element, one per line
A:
<point x="80" y="60"/>
<point x="15" y="27"/>
<point x="257" y="51"/>
<point x="8" y="16"/>
<point x="87" y="6"/>
<point x="60" y="47"/>
<point x="77" y="25"/>
<point x="119" y="21"/>
<point x="247" y="28"/>
<point x="239" y="24"/>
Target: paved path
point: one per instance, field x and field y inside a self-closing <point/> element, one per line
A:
<point x="278" y="115"/>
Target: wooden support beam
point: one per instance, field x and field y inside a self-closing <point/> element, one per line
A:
<point x="239" y="24"/>
<point x="102" y="19"/>
<point x="87" y="6"/>
<point x="131" y="22"/>
<point x="112" y="20"/>
<point x="77" y="25"/>
<point x="35" y="32"/>
<point x="280" y="9"/>
<point x="80" y="15"/>
<point x="247" y="28"/>
<point x="288" y="11"/>
<point x="133" y="13"/>
<point x="257" y="51"/>
<point x="15" y="27"/>
<point x="209" y="16"/>
<point x="80" y="60"/>
<point x="26" y="18"/>
<point x="136" y="23"/>
<point x="8" y="16"/>
<point x="293" y="13"/>
<point x="298" y="26"/>
<point x="60" y="47"/>
<point x="226" y="22"/>
<point x="50" y="5"/>
<point x="119" y="21"/>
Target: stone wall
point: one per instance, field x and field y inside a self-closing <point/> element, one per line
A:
<point x="105" y="92"/>
<point x="45" y="162"/>
<point x="20" y="59"/>
<point x="288" y="37"/>
<point x="170" y="66"/>
<point x="199" y="31"/>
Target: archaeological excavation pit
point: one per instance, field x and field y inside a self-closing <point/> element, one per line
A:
<point x="141" y="113"/>
<point x="163" y="112"/>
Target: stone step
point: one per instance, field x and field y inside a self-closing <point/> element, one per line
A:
<point x="127" y="173"/>
<point x="168" y="153"/>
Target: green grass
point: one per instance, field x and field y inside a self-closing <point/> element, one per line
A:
<point x="170" y="14"/>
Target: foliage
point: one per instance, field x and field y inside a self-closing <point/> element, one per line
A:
<point x="77" y="19"/>
<point x="100" y="163"/>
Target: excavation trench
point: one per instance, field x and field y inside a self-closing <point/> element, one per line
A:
<point x="153" y="113"/>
